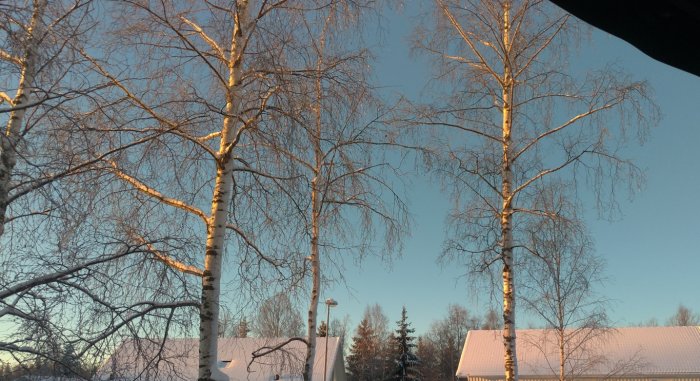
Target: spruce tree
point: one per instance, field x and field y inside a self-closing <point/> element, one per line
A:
<point x="242" y="330"/>
<point x="365" y="362"/>
<point x="322" y="329"/>
<point x="69" y="364"/>
<point x="405" y="361"/>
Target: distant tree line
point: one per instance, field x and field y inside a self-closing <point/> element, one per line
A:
<point x="683" y="317"/>
<point x="377" y="353"/>
<point x="67" y="367"/>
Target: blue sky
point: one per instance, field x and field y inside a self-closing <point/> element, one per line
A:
<point x="651" y="251"/>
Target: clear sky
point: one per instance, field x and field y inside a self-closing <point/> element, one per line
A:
<point x="652" y="253"/>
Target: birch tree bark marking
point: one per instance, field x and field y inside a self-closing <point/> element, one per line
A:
<point x="511" y="361"/>
<point x="316" y="206"/>
<point x="216" y="229"/>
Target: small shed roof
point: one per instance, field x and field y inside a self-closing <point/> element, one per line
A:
<point x="623" y="351"/>
<point x="177" y="359"/>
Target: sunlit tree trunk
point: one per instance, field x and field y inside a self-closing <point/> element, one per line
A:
<point x="10" y="137"/>
<point x="561" y="315"/>
<point x="316" y="205"/>
<point x="221" y="202"/>
<point x="562" y="356"/>
<point x="316" y="276"/>
<point x="511" y="361"/>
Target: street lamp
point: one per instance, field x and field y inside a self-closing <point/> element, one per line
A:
<point x="329" y="303"/>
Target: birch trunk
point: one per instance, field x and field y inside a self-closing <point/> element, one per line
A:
<point x="561" y="318"/>
<point x="8" y="140"/>
<point x="316" y="281"/>
<point x="562" y="356"/>
<point x="316" y="206"/>
<point x="216" y="229"/>
<point x="510" y="360"/>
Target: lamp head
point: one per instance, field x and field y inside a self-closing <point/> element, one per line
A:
<point x="330" y="302"/>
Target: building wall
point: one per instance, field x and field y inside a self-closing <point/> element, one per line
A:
<point x="339" y="368"/>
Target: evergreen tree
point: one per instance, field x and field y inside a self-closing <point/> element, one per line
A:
<point x="365" y="361"/>
<point x="322" y="329"/>
<point x="405" y="361"/>
<point x="69" y="364"/>
<point x="243" y="329"/>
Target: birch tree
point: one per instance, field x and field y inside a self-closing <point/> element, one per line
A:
<point x="559" y="285"/>
<point x="337" y="147"/>
<point x="43" y="92"/>
<point x="27" y="62"/>
<point x="59" y="288"/>
<point x="278" y="318"/>
<point x="524" y="122"/>
<point x="214" y="81"/>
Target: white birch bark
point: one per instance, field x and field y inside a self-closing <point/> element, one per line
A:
<point x="316" y="280"/>
<point x="10" y="137"/>
<point x="510" y="360"/>
<point x="316" y="205"/>
<point x="562" y="356"/>
<point x="216" y="229"/>
<point x="561" y="319"/>
<point x="317" y="196"/>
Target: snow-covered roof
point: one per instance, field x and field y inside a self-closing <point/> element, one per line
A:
<point x="177" y="359"/>
<point x="636" y="351"/>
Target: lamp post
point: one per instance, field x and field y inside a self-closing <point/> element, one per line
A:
<point x="329" y="303"/>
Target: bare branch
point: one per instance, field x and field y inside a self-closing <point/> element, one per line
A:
<point x="219" y="53"/>
<point x="483" y="63"/>
<point x="8" y="291"/>
<point x="5" y="98"/>
<point x="264" y="351"/>
<point x="171" y="262"/>
<point x="566" y="124"/>
<point x="5" y="56"/>
<point x="145" y="189"/>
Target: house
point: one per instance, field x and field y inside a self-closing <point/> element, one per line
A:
<point x="630" y="354"/>
<point x="177" y="359"/>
